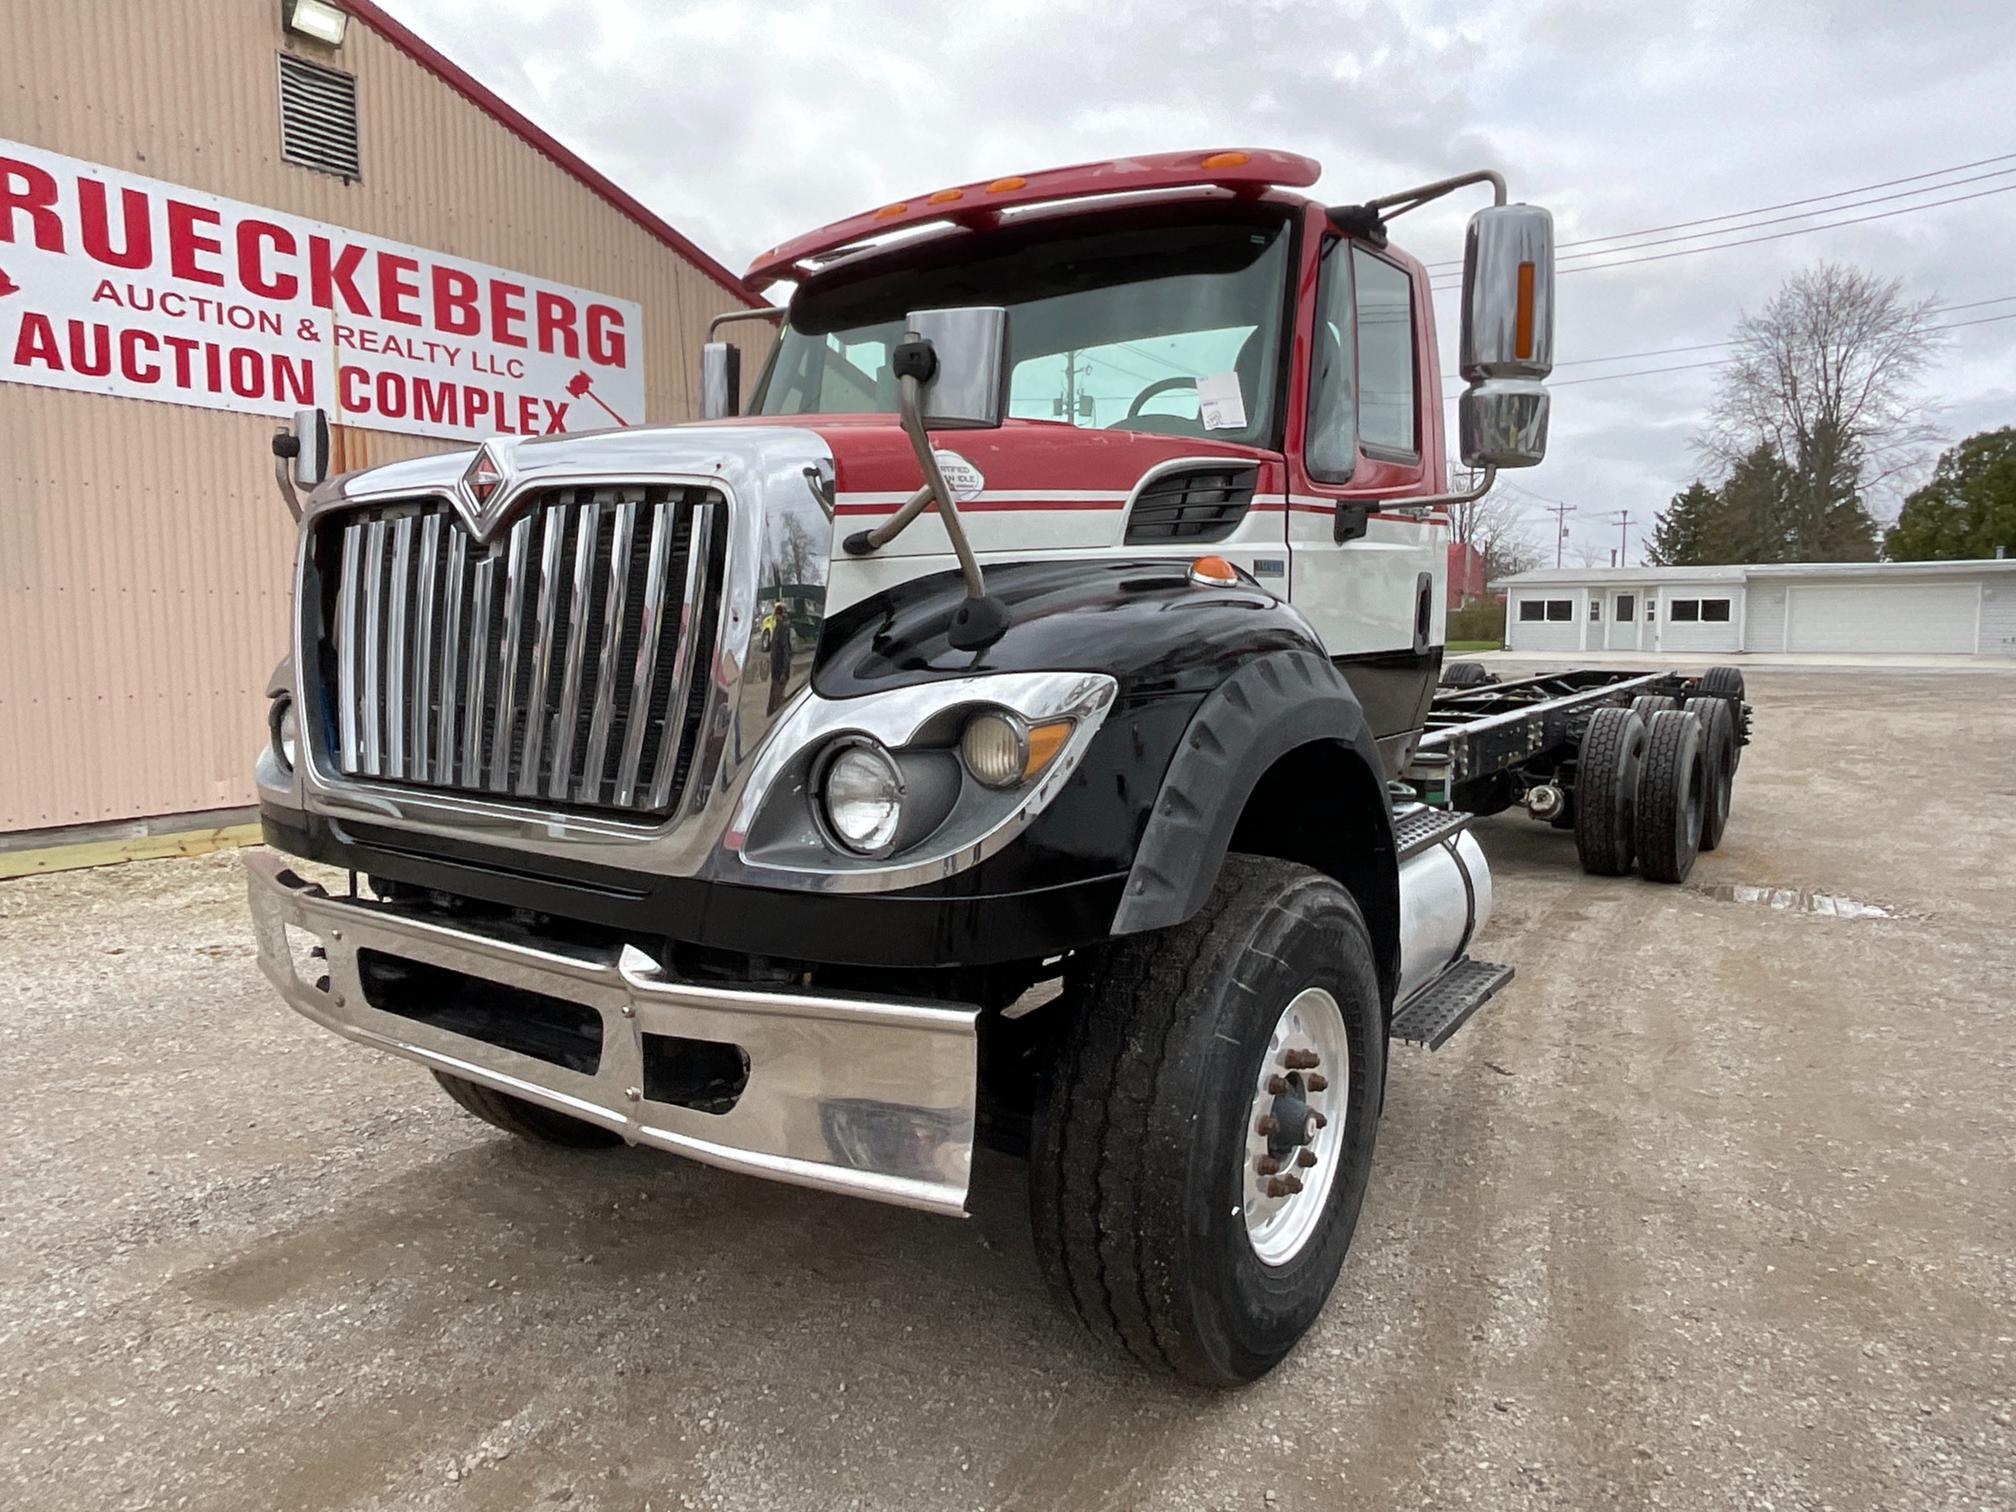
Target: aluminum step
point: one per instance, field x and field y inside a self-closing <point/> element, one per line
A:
<point x="1441" y="1007"/>
<point x="1416" y="829"/>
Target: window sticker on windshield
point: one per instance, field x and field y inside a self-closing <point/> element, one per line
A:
<point x="1220" y="405"/>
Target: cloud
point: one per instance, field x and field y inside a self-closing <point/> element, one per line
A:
<point x="743" y="124"/>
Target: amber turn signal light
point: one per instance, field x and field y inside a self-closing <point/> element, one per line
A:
<point x="1214" y="572"/>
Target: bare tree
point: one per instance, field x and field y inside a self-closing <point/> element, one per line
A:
<point x="1589" y="554"/>
<point x="1826" y="375"/>
<point x="1494" y="527"/>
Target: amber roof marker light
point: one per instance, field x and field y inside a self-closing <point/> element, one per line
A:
<point x="1246" y="171"/>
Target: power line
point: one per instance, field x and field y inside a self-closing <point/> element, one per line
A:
<point x="1751" y="241"/>
<point x="1710" y="346"/>
<point x="1679" y="367"/>
<point x="1684" y="367"/>
<point x="1779" y="220"/>
<point x="1811" y="199"/>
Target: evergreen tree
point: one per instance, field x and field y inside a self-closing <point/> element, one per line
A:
<point x="1681" y="528"/>
<point x="1757" y="520"/>
<point x="1967" y="510"/>
<point x="1825" y="518"/>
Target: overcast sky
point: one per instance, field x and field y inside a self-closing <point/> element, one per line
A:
<point x="743" y="123"/>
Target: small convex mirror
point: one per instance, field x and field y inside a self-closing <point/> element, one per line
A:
<point x="720" y="380"/>
<point x="969" y="389"/>
<point x="1507" y="345"/>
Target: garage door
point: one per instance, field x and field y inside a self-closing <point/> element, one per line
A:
<point x="1884" y="617"/>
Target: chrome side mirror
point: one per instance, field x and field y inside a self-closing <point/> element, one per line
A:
<point x="301" y="455"/>
<point x="968" y="385"/>
<point x="311" y="440"/>
<point x="1507" y="344"/>
<point x="720" y="380"/>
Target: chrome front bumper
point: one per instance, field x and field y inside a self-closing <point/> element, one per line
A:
<point x="866" y="1096"/>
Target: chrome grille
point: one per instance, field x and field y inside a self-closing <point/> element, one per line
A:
<point x="566" y="661"/>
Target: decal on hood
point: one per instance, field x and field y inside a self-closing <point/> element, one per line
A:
<point x="961" y="476"/>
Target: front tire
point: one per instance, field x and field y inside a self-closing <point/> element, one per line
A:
<point x="525" y="1119"/>
<point x="1145" y="1163"/>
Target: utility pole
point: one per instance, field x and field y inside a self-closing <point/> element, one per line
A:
<point x="1560" y="513"/>
<point x="1073" y="406"/>
<point x="1623" y="540"/>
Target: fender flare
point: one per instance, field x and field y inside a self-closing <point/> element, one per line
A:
<point x="1272" y="705"/>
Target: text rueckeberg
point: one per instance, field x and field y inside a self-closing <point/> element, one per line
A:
<point x="116" y="284"/>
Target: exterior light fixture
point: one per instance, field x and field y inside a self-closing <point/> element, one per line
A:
<point x="316" y="20"/>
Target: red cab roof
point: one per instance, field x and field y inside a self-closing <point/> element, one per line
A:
<point x="1251" y="169"/>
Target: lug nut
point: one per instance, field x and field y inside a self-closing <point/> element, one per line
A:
<point x="1277" y="1085"/>
<point x="1317" y="1082"/>
<point x="1292" y="1183"/>
<point x="1317" y="1121"/>
<point x="1305" y="1158"/>
<point x="1266" y="1165"/>
<point x="1268" y="1126"/>
<point x="633" y="1094"/>
<point x="1279" y="1188"/>
<point x="1301" y="1060"/>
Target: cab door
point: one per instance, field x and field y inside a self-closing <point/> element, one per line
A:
<point x="1361" y="431"/>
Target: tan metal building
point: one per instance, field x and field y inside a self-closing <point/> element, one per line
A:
<point x="209" y="217"/>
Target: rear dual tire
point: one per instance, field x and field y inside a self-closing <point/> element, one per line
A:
<point x="1465" y="674"/>
<point x="1607" y="774"/>
<point x="1673" y="791"/>
<point x="1718" y="753"/>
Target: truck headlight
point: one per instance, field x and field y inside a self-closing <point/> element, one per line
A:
<point x="281" y="727"/>
<point x="861" y="796"/>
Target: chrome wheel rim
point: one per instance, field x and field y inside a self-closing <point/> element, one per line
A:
<point x="1295" y="1128"/>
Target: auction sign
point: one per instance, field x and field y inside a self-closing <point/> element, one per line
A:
<point x="115" y="284"/>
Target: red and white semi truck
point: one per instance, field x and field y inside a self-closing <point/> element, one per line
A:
<point x="1021" y="727"/>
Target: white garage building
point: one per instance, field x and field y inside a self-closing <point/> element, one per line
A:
<point x="1956" y="608"/>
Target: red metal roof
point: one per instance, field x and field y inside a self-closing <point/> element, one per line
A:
<point x="1253" y="170"/>
<point x="516" y="121"/>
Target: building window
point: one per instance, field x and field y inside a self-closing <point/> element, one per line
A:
<point x="1385" y="357"/>
<point x="318" y="118"/>
<point x="1546" y="609"/>
<point x="1651" y="610"/>
<point x="1697" y="611"/>
<point x="1595" y="609"/>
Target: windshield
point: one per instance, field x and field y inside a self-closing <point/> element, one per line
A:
<point x="1171" y="327"/>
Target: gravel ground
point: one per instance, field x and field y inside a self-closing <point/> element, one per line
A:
<point x="1711" y="1209"/>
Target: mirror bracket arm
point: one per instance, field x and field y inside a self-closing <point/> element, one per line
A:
<point x="1444" y="500"/>
<point x="909" y="400"/>
<point x="286" y="447"/>
<point x="771" y="313"/>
